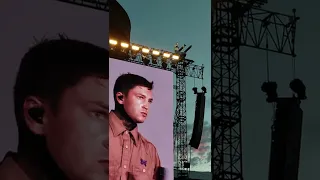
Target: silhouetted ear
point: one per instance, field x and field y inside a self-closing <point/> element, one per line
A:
<point x="120" y="97"/>
<point x="33" y="111"/>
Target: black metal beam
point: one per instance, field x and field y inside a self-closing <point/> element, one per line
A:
<point x="238" y="23"/>
<point x="102" y="5"/>
<point x="190" y="69"/>
<point x="271" y="31"/>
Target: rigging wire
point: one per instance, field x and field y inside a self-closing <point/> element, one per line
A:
<point x="267" y="54"/>
<point x="293" y="67"/>
<point x="268" y="79"/>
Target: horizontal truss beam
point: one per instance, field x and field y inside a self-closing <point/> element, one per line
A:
<point x="261" y="29"/>
<point x="190" y="70"/>
<point x="94" y="4"/>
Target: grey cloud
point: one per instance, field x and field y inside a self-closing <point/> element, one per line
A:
<point x="195" y="161"/>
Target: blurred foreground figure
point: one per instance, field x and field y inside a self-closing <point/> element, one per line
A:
<point x="132" y="157"/>
<point x="61" y="107"/>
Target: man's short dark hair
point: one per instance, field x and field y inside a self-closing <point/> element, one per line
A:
<point x="52" y="66"/>
<point x="126" y="82"/>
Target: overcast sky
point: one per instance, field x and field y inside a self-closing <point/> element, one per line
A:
<point x="161" y="24"/>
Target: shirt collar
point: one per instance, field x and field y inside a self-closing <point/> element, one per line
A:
<point x="13" y="169"/>
<point x="117" y="127"/>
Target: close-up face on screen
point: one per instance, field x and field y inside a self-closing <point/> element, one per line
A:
<point x="142" y="106"/>
<point x="55" y="77"/>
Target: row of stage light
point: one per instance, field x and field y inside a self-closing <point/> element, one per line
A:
<point x="144" y="51"/>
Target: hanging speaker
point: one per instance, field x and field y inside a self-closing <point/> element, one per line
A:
<point x="286" y="140"/>
<point x="198" y="121"/>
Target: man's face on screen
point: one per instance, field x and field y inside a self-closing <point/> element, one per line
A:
<point x="77" y="135"/>
<point x="137" y="102"/>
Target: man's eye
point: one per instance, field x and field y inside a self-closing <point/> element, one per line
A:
<point x="97" y="114"/>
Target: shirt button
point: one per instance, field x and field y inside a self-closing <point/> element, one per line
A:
<point x="143" y="170"/>
<point x="127" y="146"/>
<point x="125" y="166"/>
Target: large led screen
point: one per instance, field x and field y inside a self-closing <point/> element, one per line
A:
<point x="26" y="22"/>
<point x="153" y="110"/>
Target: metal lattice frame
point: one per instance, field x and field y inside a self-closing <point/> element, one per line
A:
<point x="182" y="68"/>
<point x="180" y="122"/>
<point x="102" y="5"/>
<point x="238" y="24"/>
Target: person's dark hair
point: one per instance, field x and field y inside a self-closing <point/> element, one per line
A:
<point x="52" y="66"/>
<point x="126" y="82"/>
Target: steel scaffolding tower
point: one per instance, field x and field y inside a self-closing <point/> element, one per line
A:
<point x="238" y="23"/>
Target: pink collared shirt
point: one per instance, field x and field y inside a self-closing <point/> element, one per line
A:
<point x="130" y="154"/>
<point x="10" y="170"/>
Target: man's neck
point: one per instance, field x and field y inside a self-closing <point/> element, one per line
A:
<point x="126" y="120"/>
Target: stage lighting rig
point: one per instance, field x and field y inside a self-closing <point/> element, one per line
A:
<point x="102" y="5"/>
<point x="195" y="90"/>
<point x="298" y="88"/>
<point x="270" y="88"/>
<point x="179" y="51"/>
<point x="296" y="85"/>
<point x="146" y="55"/>
<point x="204" y="89"/>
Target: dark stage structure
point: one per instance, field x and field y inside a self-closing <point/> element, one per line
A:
<point x="238" y="23"/>
<point x="102" y="5"/>
<point x="286" y="140"/>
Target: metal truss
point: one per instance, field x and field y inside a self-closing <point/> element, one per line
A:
<point x="102" y="5"/>
<point x="268" y="30"/>
<point x="182" y="68"/>
<point x="180" y="122"/>
<point x="190" y="70"/>
<point x="238" y="24"/>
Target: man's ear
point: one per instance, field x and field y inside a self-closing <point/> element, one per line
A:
<point x="33" y="112"/>
<point x="120" y="97"/>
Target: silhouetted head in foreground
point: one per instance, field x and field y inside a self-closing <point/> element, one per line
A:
<point x="61" y="107"/>
<point x="133" y="96"/>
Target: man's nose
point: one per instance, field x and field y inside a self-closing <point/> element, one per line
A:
<point x="145" y="106"/>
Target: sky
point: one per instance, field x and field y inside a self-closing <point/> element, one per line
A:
<point x="160" y="24"/>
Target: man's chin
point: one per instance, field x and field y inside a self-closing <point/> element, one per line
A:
<point x="140" y="120"/>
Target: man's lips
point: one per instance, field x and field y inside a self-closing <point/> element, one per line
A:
<point x="144" y="114"/>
